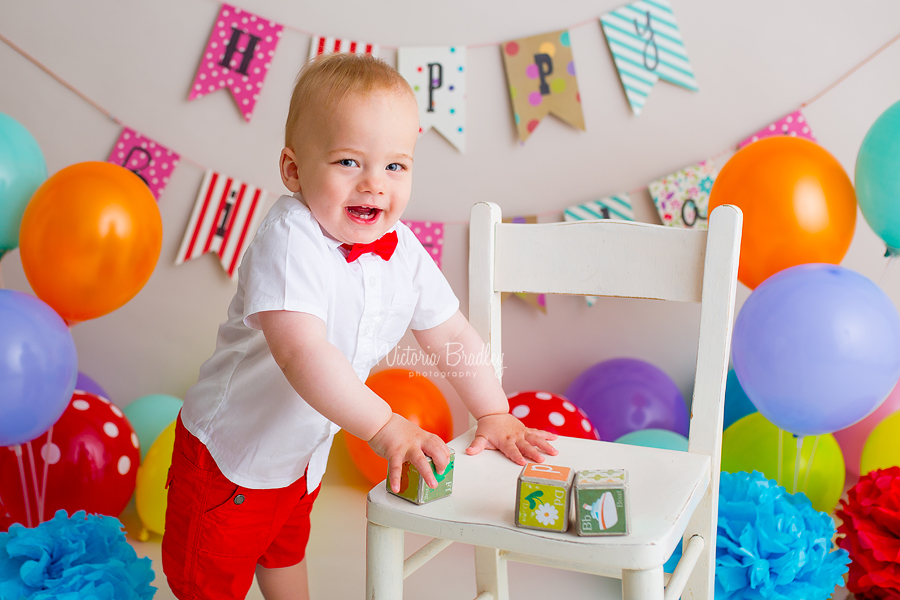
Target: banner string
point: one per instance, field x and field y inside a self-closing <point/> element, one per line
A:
<point x="116" y="120"/>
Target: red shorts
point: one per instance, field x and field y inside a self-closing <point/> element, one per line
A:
<point x="217" y="532"/>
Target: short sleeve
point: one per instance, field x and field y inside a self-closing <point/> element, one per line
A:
<point x="285" y="270"/>
<point x="436" y="302"/>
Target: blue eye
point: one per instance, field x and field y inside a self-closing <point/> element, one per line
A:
<point x="348" y="162"/>
<point x="395" y="167"/>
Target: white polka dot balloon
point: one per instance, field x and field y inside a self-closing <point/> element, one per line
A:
<point x="553" y="413"/>
<point x="91" y="459"/>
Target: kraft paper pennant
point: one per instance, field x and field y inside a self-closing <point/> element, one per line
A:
<point x="222" y="221"/>
<point x="431" y="235"/>
<point x="147" y="159"/>
<point x="538" y="301"/>
<point x="540" y="72"/>
<point x="794" y="125"/>
<point x="438" y="78"/>
<point x="682" y="198"/>
<point x="331" y="45"/>
<point x="609" y="207"/>
<point x="646" y="46"/>
<point x="237" y="56"/>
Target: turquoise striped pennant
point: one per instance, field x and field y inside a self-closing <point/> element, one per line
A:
<point x="646" y="46"/>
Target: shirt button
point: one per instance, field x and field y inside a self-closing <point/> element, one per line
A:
<point x="239" y="499"/>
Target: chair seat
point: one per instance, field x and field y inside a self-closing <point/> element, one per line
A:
<point x="664" y="488"/>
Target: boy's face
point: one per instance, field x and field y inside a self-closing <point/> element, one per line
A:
<point x="354" y="166"/>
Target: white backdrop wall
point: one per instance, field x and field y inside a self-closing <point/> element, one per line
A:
<point x="755" y="61"/>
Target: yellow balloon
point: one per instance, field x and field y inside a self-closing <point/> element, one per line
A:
<point x="150" y="490"/>
<point x="882" y="449"/>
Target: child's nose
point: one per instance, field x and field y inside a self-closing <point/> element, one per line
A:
<point x="372" y="182"/>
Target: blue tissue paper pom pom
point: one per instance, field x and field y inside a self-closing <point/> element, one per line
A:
<point x="773" y="545"/>
<point x="85" y="557"/>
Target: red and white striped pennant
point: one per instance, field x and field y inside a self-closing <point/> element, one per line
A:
<point x="329" y="45"/>
<point x="224" y="214"/>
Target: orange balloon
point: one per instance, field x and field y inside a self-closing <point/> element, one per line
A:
<point x="798" y="203"/>
<point x="411" y="396"/>
<point x="89" y="240"/>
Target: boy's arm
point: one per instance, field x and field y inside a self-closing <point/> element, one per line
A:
<point x="324" y="378"/>
<point x="451" y="343"/>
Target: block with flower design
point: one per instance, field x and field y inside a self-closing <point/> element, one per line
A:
<point x="601" y="502"/>
<point x="542" y="497"/>
<point x="414" y="488"/>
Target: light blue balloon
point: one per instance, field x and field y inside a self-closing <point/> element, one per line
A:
<point x="22" y="171"/>
<point x="737" y="404"/>
<point x="816" y="347"/>
<point x="149" y="415"/>
<point x="877" y="178"/>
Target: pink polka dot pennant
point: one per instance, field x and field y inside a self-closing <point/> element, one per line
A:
<point x="147" y="159"/>
<point x="793" y="124"/>
<point x="431" y="235"/>
<point x="240" y="48"/>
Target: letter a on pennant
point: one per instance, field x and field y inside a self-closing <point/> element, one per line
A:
<point x="222" y="221"/>
<point x="540" y="72"/>
<point x="237" y="56"/>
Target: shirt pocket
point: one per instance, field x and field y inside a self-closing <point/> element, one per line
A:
<point x="398" y="316"/>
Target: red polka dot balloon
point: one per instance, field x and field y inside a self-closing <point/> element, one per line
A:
<point x="87" y="461"/>
<point x="547" y="411"/>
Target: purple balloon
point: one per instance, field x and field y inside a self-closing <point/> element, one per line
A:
<point x="626" y="394"/>
<point x="86" y="384"/>
<point x="38" y="366"/>
<point x="816" y="347"/>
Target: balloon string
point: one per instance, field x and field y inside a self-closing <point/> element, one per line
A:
<point x="884" y="273"/>
<point x="780" y="452"/>
<point x="812" y="456"/>
<point x="18" y="450"/>
<point x="38" y="496"/>
<point x="797" y="461"/>
<point x="44" y="477"/>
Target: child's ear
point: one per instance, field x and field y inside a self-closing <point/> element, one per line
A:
<point x="290" y="173"/>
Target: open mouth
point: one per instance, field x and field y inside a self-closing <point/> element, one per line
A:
<point x="363" y="214"/>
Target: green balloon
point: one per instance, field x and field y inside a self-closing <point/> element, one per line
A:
<point x="751" y="444"/>
<point x="877" y="178"/>
<point x="149" y="415"/>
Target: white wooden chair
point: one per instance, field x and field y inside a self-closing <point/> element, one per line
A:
<point x="673" y="495"/>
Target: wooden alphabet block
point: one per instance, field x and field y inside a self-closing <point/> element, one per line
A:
<point x="414" y="488"/>
<point x="542" y="497"/>
<point x="601" y="502"/>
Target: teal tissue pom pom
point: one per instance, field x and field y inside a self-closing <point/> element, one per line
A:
<point x="772" y="545"/>
<point x="82" y="557"/>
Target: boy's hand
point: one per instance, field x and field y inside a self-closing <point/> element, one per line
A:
<point x="507" y="434"/>
<point x="399" y="441"/>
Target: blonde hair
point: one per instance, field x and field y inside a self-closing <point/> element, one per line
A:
<point x="323" y="83"/>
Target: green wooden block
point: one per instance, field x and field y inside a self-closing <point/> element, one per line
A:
<point x="542" y="497"/>
<point x="414" y="488"/>
<point x="601" y="502"/>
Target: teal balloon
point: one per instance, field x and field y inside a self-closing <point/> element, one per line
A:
<point x="665" y="440"/>
<point x="737" y="404"/>
<point x="149" y="415"/>
<point x="877" y="177"/>
<point x="22" y="171"/>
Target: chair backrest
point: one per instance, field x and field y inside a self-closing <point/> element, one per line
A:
<point x="623" y="259"/>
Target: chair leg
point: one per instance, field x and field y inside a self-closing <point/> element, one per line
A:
<point x="490" y="573"/>
<point x="701" y="583"/>
<point x="643" y="585"/>
<point x="384" y="563"/>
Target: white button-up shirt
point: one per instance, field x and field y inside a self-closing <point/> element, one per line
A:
<point x="261" y="433"/>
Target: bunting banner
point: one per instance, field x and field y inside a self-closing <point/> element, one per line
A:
<point x="540" y="72"/>
<point x="794" y="125"/>
<point x="682" y="198"/>
<point x="431" y="235"/>
<point x="224" y="214"/>
<point x="538" y="301"/>
<point x="610" y="207"/>
<point x="149" y="160"/>
<point x="241" y="45"/>
<point x="331" y="45"/>
<point x="646" y="46"/>
<point x="438" y="79"/>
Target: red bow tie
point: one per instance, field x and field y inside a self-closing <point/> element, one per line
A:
<point x="383" y="247"/>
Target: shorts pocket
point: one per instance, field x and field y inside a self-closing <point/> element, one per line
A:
<point x="236" y="521"/>
<point x="397" y="319"/>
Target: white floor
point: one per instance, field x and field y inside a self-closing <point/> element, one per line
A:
<point x="337" y="555"/>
